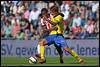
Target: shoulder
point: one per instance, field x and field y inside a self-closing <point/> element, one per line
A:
<point x="61" y="14"/>
<point x="59" y="17"/>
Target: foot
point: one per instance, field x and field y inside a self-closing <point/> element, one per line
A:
<point x="37" y="55"/>
<point x="42" y="61"/>
<point x="61" y="61"/>
<point x="81" y="61"/>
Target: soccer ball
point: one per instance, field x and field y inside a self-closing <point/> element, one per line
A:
<point x="32" y="60"/>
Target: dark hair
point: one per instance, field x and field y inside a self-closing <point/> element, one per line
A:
<point x="44" y="10"/>
<point x="54" y="8"/>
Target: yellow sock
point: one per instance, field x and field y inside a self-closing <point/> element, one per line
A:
<point x="74" y="54"/>
<point x="42" y="52"/>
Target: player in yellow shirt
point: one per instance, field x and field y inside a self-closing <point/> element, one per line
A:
<point x="45" y="27"/>
<point x="56" y="35"/>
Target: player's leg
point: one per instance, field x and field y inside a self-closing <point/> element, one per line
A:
<point x="58" y="49"/>
<point x="38" y="49"/>
<point x="48" y="40"/>
<point x="60" y="53"/>
<point x="74" y="54"/>
<point x="60" y="41"/>
<point x="42" y="44"/>
<point x="41" y="56"/>
<point x="42" y="37"/>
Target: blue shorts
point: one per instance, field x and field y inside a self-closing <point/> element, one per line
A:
<point x="58" y="39"/>
<point x="44" y="35"/>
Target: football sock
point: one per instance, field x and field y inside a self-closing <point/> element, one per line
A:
<point x="38" y="49"/>
<point x="42" y="52"/>
<point x="74" y="54"/>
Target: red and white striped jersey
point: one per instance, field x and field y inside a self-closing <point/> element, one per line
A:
<point x="46" y="23"/>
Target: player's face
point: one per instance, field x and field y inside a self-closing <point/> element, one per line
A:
<point x="53" y="13"/>
<point x="45" y="15"/>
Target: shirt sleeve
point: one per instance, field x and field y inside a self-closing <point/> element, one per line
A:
<point x="58" y="18"/>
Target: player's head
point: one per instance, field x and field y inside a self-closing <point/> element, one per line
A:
<point x="54" y="10"/>
<point x="44" y="12"/>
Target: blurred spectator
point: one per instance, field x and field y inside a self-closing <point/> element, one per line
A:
<point x="26" y="13"/>
<point x="40" y="5"/>
<point x="7" y="29"/>
<point x="33" y="17"/>
<point x="21" y="7"/>
<point x="15" y="29"/>
<point x="3" y="18"/>
<point x="20" y="35"/>
<point x="13" y="8"/>
<point x="75" y="28"/>
<point x="32" y="5"/>
<point x="12" y="19"/>
<point x="15" y="3"/>
<point x="20" y="19"/>
<point x="24" y="23"/>
<point x="95" y="6"/>
<point x="76" y="20"/>
<point x="82" y="15"/>
<point x="26" y="34"/>
<point x="65" y="9"/>
<point x="89" y="27"/>
<point x="2" y="32"/>
<point x="4" y="7"/>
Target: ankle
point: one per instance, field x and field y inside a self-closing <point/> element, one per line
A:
<point x="78" y="58"/>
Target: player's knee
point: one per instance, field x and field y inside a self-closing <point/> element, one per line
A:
<point x="42" y="42"/>
<point x="66" y="48"/>
<point x="39" y="43"/>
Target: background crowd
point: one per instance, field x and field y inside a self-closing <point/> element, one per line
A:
<point x="20" y="19"/>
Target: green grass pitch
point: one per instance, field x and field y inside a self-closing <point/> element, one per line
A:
<point x="50" y="61"/>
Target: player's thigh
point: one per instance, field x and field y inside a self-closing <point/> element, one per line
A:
<point x="66" y="48"/>
<point x="43" y="42"/>
<point x="50" y="39"/>
<point x="58" y="49"/>
<point x="60" y="41"/>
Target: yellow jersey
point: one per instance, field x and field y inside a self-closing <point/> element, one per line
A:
<point x="60" y="24"/>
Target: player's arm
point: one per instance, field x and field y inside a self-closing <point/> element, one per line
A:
<point x="52" y="28"/>
<point x="51" y="22"/>
<point x="58" y="20"/>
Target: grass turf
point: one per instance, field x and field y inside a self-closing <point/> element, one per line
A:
<point x="50" y="61"/>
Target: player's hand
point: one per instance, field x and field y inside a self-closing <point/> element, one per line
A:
<point x="45" y="18"/>
<point x="55" y="28"/>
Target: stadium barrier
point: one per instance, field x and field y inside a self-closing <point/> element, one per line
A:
<point x="28" y="48"/>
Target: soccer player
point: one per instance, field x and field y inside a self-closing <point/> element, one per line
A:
<point x="56" y="35"/>
<point x="46" y="26"/>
